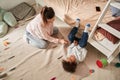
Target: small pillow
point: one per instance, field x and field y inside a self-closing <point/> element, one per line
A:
<point x="108" y="35"/>
<point x="98" y="36"/>
<point x="2" y="11"/>
<point x="9" y="19"/>
<point x="3" y="29"/>
<point x="22" y="11"/>
<point x="114" y="24"/>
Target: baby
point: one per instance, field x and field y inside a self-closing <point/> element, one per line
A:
<point x="76" y="52"/>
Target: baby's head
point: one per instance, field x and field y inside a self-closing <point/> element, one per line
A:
<point x="70" y="64"/>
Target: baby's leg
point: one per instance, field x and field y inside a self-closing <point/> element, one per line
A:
<point x="73" y="32"/>
<point x="83" y="41"/>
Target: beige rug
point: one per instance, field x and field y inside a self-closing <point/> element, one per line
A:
<point x="33" y="63"/>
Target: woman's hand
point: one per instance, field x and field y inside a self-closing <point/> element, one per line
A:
<point x="62" y="41"/>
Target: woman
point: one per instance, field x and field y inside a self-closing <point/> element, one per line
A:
<point x="40" y="30"/>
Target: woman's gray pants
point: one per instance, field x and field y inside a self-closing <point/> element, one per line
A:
<point x="39" y="43"/>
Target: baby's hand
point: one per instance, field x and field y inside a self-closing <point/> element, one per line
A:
<point x="65" y="42"/>
<point x="62" y="41"/>
<point x="75" y="42"/>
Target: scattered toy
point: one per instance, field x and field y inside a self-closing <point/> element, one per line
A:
<point x="5" y="43"/>
<point x="60" y="57"/>
<point x="117" y="65"/>
<point x="4" y="60"/>
<point x="6" y="48"/>
<point x="3" y="75"/>
<point x="53" y="78"/>
<point x="11" y="57"/>
<point x="101" y="63"/>
<point x="12" y="69"/>
<point x="91" y="71"/>
<point x="1" y="69"/>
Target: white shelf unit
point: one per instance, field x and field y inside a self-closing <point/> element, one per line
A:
<point x="107" y="48"/>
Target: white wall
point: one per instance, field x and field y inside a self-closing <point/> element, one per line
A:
<point x="8" y="4"/>
<point x="40" y="2"/>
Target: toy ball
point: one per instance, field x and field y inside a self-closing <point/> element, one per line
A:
<point x="101" y="63"/>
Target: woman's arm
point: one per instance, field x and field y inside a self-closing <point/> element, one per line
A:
<point x="48" y="37"/>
